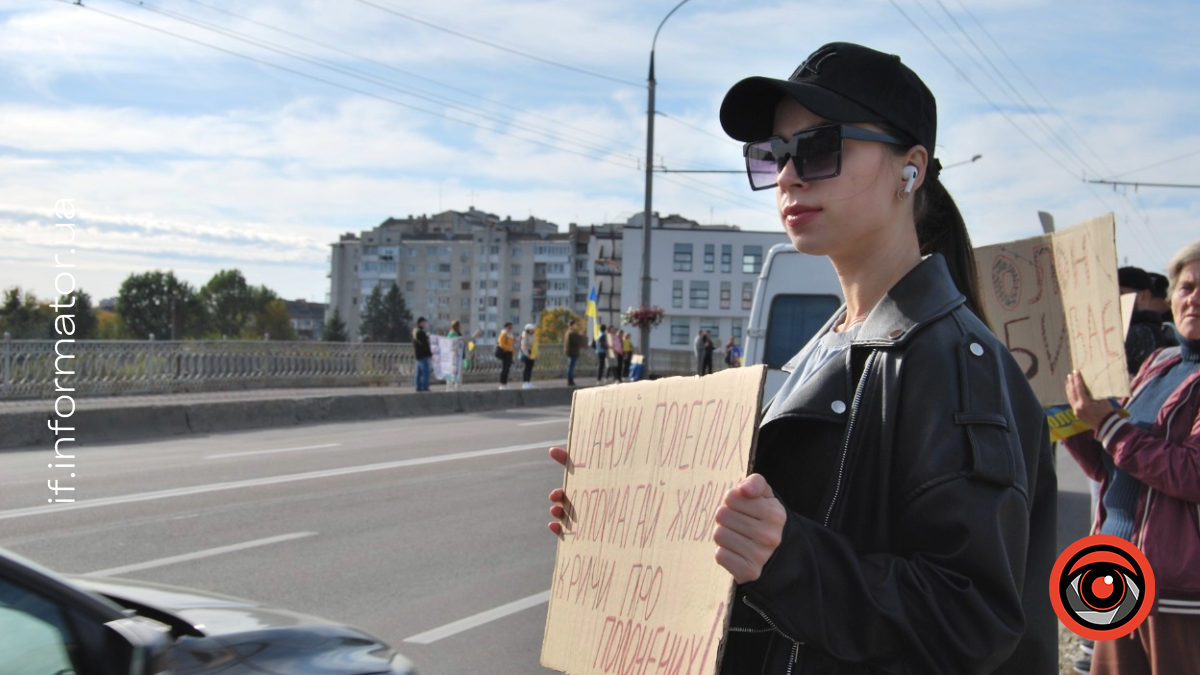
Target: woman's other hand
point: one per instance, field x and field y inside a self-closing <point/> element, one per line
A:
<point x="749" y="528"/>
<point x="558" y="498"/>
<point x="1089" y="410"/>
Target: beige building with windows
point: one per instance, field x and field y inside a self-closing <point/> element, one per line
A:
<point x="483" y="271"/>
<point x="468" y="266"/>
<point x="703" y="276"/>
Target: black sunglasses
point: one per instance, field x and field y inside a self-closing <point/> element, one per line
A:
<point x="816" y="153"/>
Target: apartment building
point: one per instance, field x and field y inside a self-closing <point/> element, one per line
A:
<point x="702" y="275"/>
<point x="469" y="266"/>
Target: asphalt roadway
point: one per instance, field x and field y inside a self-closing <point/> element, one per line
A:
<point x="427" y="532"/>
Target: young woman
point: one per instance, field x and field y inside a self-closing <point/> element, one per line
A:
<point x="901" y="517"/>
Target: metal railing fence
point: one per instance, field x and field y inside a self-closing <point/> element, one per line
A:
<point x="127" y="367"/>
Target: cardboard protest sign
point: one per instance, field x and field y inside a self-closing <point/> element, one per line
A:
<point x="1053" y="300"/>
<point x="636" y="587"/>
<point x="446" y="353"/>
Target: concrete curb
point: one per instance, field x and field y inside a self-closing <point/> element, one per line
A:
<point x="28" y="429"/>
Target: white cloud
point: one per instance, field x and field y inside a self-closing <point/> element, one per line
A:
<point x="183" y="156"/>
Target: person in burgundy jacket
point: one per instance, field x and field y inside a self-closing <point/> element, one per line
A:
<point x="1149" y="468"/>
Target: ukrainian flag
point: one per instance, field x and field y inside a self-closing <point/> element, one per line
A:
<point x="593" y="314"/>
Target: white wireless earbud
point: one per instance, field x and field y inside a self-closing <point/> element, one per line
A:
<point x="910" y="175"/>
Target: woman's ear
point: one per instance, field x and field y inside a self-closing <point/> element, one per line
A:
<point x="918" y="158"/>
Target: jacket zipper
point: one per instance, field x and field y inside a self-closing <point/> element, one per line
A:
<point x="1141" y="542"/>
<point x="858" y="395"/>
<point x="795" y="655"/>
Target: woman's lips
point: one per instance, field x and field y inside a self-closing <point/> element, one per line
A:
<point x="799" y="216"/>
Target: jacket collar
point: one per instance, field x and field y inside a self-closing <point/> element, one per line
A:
<point x="925" y="294"/>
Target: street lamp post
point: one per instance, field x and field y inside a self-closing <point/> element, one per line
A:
<point x="644" y="336"/>
<point x="976" y="158"/>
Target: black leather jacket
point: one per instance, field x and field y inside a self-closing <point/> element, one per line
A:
<point x="921" y="505"/>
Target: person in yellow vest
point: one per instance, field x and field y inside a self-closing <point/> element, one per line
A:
<point x="504" y="352"/>
<point x="529" y="350"/>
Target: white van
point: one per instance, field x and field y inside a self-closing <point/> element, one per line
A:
<point x="795" y="295"/>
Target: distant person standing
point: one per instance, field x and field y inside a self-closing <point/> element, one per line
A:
<point x="1146" y="330"/>
<point x="529" y="350"/>
<point x="601" y="347"/>
<point x="733" y="353"/>
<point x="698" y="350"/>
<point x="423" y="354"/>
<point x="1159" y="288"/>
<point x="457" y="347"/>
<point x="573" y="343"/>
<point x="504" y="352"/>
<point x="618" y="346"/>
<point x="609" y="339"/>
<point x="709" y="348"/>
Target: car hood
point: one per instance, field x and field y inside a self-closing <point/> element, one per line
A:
<point x="207" y="613"/>
<point x="219" y="632"/>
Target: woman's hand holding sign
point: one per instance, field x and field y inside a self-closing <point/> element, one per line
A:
<point x="749" y="528"/>
<point x="557" y="496"/>
<point x="749" y="524"/>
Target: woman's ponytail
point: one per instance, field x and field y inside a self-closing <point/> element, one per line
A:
<point x="941" y="229"/>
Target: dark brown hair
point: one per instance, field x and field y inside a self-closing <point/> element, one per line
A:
<point x="941" y="228"/>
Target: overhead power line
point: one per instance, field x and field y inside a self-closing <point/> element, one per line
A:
<point x="372" y="79"/>
<point x="1033" y="86"/>
<point x="582" y="138"/>
<point x="1157" y="164"/>
<point x="1136" y="185"/>
<point x="493" y="45"/>
<point x="340" y="85"/>
<point x="1029" y="109"/>
<point x="591" y="133"/>
<point x="534" y="141"/>
<point x="1140" y="220"/>
<point x="1138" y="210"/>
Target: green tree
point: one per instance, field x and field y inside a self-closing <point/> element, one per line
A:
<point x="273" y="320"/>
<point x="24" y="317"/>
<point x="109" y="326"/>
<point x="157" y="302"/>
<point x="374" y="324"/>
<point x="268" y="318"/>
<point x="398" y="317"/>
<point x="552" y="325"/>
<point x="335" y="329"/>
<point x="229" y="303"/>
<point x="83" y="316"/>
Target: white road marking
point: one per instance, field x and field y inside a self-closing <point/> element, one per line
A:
<point x="270" y="452"/>
<point x="206" y="553"/>
<point x="534" y="424"/>
<point x="479" y="619"/>
<point x="269" y="480"/>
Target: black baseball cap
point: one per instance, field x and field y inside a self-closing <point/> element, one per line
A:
<point x="842" y="82"/>
<point x="1133" y="277"/>
<point x="1159" y="285"/>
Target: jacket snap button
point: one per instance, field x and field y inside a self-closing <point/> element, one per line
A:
<point x="838" y="407"/>
<point x="896" y="333"/>
<point x="976" y="349"/>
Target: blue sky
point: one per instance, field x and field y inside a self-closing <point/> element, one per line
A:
<point x="192" y="157"/>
